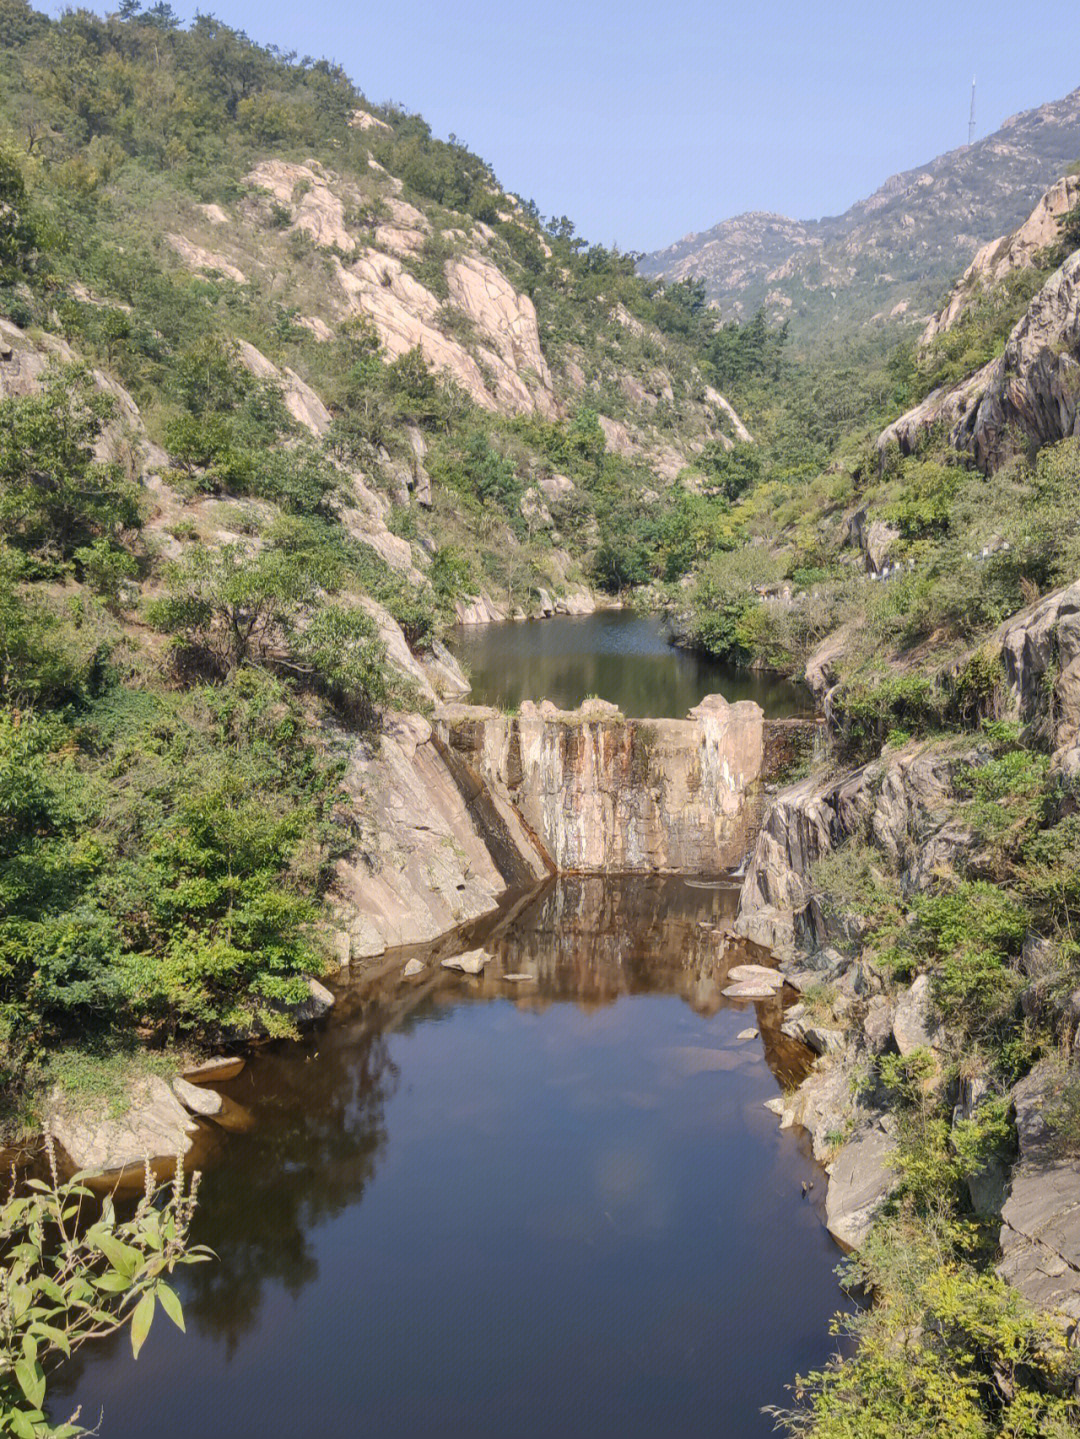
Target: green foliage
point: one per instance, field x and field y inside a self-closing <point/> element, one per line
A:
<point x="45" y="658"/>
<point x="225" y="608"/>
<point x="68" y="1281"/>
<point x="160" y="862"/>
<point x="451" y="574"/>
<point x="980" y="333"/>
<point x="948" y="1348"/>
<point x="725" y="595"/>
<point x="870" y="707"/>
<point x="54" y="496"/>
<point x="343" y="650"/>
<point x="18" y="235"/>
<point x="733" y="471"/>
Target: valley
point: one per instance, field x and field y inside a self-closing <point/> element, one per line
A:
<point x="559" y="800"/>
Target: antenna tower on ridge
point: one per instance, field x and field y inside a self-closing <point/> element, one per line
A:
<point x="971" y="117"/>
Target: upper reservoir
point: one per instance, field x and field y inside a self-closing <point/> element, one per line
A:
<point x="618" y="655"/>
<point x="470" y="1208"/>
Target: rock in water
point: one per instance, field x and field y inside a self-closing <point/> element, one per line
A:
<point x="756" y="972"/>
<point x="215" y="1070"/>
<point x="747" y="1034"/>
<point x="317" y="1007"/>
<point x="197" y="1098"/>
<point x="155" y="1125"/>
<point x="750" y="989"/>
<point x="412" y="969"/>
<point x="471" y="962"/>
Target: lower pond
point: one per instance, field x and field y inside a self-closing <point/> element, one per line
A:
<point x="615" y="654"/>
<point x="551" y="1208"/>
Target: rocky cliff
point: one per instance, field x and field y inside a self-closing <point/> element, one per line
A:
<point x="1026" y="398"/>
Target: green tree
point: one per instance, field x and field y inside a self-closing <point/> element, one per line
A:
<point x="230" y="607"/>
<point x="54" y="494"/>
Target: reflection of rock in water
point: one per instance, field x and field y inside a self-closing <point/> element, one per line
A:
<point x="590" y="939"/>
<point x="319" y="1132"/>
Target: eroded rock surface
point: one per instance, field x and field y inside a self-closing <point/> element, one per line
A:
<point x="152" y="1125"/>
<point x="429" y="855"/>
<point x="1040" y="1222"/>
<point x="605" y="793"/>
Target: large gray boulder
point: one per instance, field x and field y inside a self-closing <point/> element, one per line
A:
<point x="1040" y="1221"/>
<point x="915" y="1026"/>
<point x="861" y="1177"/>
<point x="1040" y="641"/>
<point x="150" y="1124"/>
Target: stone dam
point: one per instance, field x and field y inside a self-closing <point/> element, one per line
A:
<point x="453" y="812"/>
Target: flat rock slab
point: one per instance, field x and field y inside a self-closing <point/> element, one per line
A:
<point x="471" y="962"/>
<point x="215" y="1070"/>
<point x="519" y="978"/>
<point x="860" y="1180"/>
<point x="1040" y="1236"/>
<point x="759" y="973"/>
<point x="750" y="989"/>
<point x="154" y="1125"/>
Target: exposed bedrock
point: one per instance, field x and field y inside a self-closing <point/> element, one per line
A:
<point x="601" y="793"/>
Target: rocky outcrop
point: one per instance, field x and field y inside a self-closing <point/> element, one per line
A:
<point x="198" y="259"/>
<point x="430" y="854"/>
<point x="601" y="792"/>
<point x="301" y="401"/>
<point x="861" y="1178"/>
<point x="151" y="1125"/>
<point x="901" y="801"/>
<point x="1020" y="250"/>
<point x="1039" y="644"/>
<point x="1029" y="396"/>
<point x="1040" y="1222"/>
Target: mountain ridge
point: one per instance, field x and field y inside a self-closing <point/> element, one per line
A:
<point x="891" y="253"/>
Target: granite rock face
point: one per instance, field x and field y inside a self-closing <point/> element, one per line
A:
<point x="1042" y="640"/>
<point x="1040" y="1222"/>
<point x="433" y="852"/>
<point x="603" y="793"/>
<point x="1029" y="396"/>
<point x="1001" y="257"/>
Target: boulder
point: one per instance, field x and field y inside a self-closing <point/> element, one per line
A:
<point x="861" y="1178"/>
<point x="1040" y="1220"/>
<point x="215" y="1070"/>
<point x="152" y="1125"/>
<point x="197" y="1097"/>
<point x="914" y="1024"/>
<point x="471" y="962"/>
<point x="317" y="1006"/>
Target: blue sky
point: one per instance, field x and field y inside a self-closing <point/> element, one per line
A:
<point x="643" y="122"/>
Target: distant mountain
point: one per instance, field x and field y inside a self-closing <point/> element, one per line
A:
<point x="891" y="254"/>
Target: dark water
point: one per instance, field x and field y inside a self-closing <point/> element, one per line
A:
<point x="471" y="1208"/>
<point x="615" y="654"/>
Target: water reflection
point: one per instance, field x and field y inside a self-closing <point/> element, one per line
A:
<point x="616" y="654"/>
<point x="471" y="1207"/>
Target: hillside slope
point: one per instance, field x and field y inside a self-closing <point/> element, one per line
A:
<point x="891" y="253"/>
